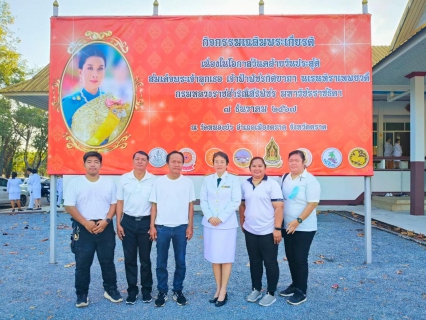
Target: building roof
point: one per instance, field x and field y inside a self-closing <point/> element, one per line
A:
<point x="413" y="20"/>
<point x="34" y="91"/>
<point x="379" y="52"/>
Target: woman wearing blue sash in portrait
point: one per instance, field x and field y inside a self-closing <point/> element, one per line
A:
<point x="93" y="116"/>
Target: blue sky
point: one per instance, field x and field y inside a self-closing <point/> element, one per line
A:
<point x="32" y="17"/>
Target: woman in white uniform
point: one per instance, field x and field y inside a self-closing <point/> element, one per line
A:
<point x="220" y="197"/>
<point x="14" y="191"/>
<point x="301" y="193"/>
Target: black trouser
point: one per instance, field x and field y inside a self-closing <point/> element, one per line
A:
<point x="136" y="240"/>
<point x="262" y="249"/>
<point x="297" y="247"/>
<point x="85" y="247"/>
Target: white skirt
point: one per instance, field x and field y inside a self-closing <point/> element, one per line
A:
<point x="14" y="195"/>
<point x="219" y="245"/>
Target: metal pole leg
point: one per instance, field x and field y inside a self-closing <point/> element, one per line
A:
<point x="367" y="219"/>
<point x="53" y="219"/>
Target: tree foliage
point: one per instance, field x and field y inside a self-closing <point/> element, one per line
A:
<point x="23" y="129"/>
<point x="12" y="67"/>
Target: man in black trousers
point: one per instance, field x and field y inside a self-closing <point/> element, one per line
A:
<point x="133" y="223"/>
<point x="91" y="201"/>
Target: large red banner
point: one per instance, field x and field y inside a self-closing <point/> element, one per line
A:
<point x="246" y="85"/>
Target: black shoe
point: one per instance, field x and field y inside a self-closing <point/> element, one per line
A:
<point x="288" y="292"/>
<point x="58" y="206"/>
<point x="297" y="298"/>
<point x="179" y="298"/>
<point x="30" y="209"/>
<point x="223" y="302"/>
<point x="146" y="297"/>
<point x="20" y="210"/>
<point x="113" y="295"/>
<point x="82" y="301"/>
<point x="131" y="298"/>
<point x="213" y="300"/>
<point x="13" y="210"/>
<point x="161" y="299"/>
<point x="38" y="208"/>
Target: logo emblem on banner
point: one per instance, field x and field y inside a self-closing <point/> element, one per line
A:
<point x="157" y="157"/>
<point x="242" y="157"/>
<point x="308" y="156"/>
<point x="189" y="159"/>
<point x="332" y="158"/>
<point x="272" y="154"/>
<point x="209" y="156"/>
<point x="358" y="158"/>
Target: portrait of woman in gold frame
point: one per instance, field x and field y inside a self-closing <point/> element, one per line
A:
<point x="97" y="95"/>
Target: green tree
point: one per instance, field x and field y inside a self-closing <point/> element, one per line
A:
<point x="12" y="67"/>
<point x="30" y="124"/>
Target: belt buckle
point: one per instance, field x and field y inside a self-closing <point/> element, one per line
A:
<point x="138" y="218"/>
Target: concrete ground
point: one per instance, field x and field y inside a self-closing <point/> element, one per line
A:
<point x="401" y="219"/>
<point x="340" y="285"/>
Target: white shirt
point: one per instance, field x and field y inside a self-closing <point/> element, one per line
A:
<point x="220" y="201"/>
<point x="259" y="213"/>
<point x="397" y="150"/>
<point x="59" y="185"/>
<point x="35" y="182"/>
<point x="388" y="149"/>
<point x="13" y="185"/>
<point x="172" y="198"/>
<point x="30" y="182"/>
<point x="92" y="199"/>
<point x="297" y="193"/>
<point x="135" y="194"/>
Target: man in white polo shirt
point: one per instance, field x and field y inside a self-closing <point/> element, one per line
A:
<point x="172" y="219"/>
<point x="133" y="223"/>
<point x="90" y="200"/>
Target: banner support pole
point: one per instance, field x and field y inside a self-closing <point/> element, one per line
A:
<point x="365" y="6"/>
<point x="367" y="220"/>
<point x="261" y="7"/>
<point x="55" y="8"/>
<point x="53" y="219"/>
<point x="155" y="4"/>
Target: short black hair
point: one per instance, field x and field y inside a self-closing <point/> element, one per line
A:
<point x="35" y="171"/>
<point x="92" y="50"/>
<point x="173" y="152"/>
<point x="14" y="175"/>
<point x="30" y="170"/>
<point x="397" y="140"/>
<point x="141" y="153"/>
<point x="92" y="154"/>
<point x="299" y="152"/>
<point x="257" y="158"/>
<point x="221" y="154"/>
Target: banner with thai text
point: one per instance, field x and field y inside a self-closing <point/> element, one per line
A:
<point x="245" y="85"/>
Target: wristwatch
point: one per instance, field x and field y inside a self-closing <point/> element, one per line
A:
<point x="108" y="220"/>
<point x="279" y="229"/>
<point x="299" y="220"/>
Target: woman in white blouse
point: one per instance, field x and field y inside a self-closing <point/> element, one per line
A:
<point x="301" y="193"/>
<point x="220" y="197"/>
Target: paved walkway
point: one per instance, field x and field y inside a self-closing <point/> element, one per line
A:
<point x="390" y="288"/>
<point x="401" y="219"/>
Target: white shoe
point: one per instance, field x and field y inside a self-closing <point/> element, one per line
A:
<point x="254" y="296"/>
